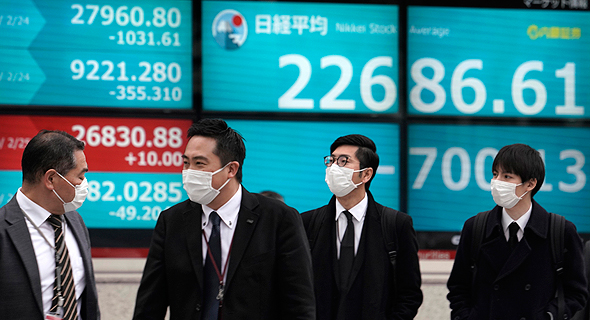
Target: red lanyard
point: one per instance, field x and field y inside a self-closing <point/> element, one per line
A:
<point x="220" y="275"/>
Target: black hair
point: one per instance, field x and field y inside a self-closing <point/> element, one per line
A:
<point x="229" y="143"/>
<point x="366" y="152"/>
<point x="49" y="150"/>
<point x="273" y="195"/>
<point x="522" y="160"/>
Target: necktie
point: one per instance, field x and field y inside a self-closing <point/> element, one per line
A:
<point x="346" y="252"/>
<point x="210" y="275"/>
<point x="513" y="238"/>
<point x="63" y="271"/>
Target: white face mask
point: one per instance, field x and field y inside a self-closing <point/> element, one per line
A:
<point x="81" y="193"/>
<point x="339" y="180"/>
<point x="504" y="193"/>
<point x="198" y="185"/>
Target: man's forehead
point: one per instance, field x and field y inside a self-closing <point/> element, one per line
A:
<point x="345" y="150"/>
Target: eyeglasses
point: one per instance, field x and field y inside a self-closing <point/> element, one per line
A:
<point x="341" y="161"/>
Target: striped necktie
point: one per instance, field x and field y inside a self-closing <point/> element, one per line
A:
<point x="63" y="265"/>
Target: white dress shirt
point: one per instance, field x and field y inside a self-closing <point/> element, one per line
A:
<point x="46" y="254"/>
<point x="229" y="216"/>
<point x="522" y="221"/>
<point x="358" y="213"/>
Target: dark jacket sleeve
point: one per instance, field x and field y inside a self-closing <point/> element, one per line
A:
<point x="408" y="279"/>
<point x="459" y="283"/>
<point x="574" y="280"/>
<point x="294" y="265"/>
<point x="152" y="297"/>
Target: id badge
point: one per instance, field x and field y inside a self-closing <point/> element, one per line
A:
<point x="52" y="316"/>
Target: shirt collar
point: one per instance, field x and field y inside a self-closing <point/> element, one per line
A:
<point x="522" y="221"/>
<point x="228" y="212"/>
<point x="358" y="211"/>
<point x="37" y="213"/>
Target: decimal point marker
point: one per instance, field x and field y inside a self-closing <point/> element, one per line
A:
<point x="133" y="78"/>
<point x="149" y="144"/>
<point x="119" y="198"/>
<point x="147" y="24"/>
<point x="498" y="106"/>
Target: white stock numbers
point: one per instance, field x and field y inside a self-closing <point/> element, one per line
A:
<point x="431" y="154"/>
<point x="330" y="100"/>
<point x="124" y="15"/>
<point x="518" y="85"/>
<point x="123" y="136"/>
<point x="143" y="191"/>
<point x="161" y="72"/>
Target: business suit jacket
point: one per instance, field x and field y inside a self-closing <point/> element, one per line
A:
<point x="518" y="284"/>
<point x="269" y="272"/>
<point x="20" y="284"/>
<point x="372" y="294"/>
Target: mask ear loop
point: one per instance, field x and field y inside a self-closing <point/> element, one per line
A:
<point x="226" y="182"/>
<point x="361" y="170"/>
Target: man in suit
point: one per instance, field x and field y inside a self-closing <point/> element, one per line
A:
<point x="225" y="253"/>
<point x="40" y="232"/>
<point x="514" y="273"/>
<point x="353" y="276"/>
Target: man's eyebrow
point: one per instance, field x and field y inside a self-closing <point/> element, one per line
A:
<point x="195" y="158"/>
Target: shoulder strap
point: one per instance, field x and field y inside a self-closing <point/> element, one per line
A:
<point x="388" y="228"/>
<point x="557" y="239"/>
<point x="479" y="229"/>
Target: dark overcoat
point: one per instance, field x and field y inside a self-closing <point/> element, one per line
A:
<point x="518" y="284"/>
<point x="372" y="295"/>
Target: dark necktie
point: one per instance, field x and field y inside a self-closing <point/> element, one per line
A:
<point x="210" y="275"/>
<point x="513" y="238"/>
<point x="62" y="263"/>
<point x="346" y="252"/>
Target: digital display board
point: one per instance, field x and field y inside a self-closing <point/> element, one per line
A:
<point x="299" y="57"/>
<point x="134" y="164"/>
<point x="498" y="62"/>
<point x="450" y="169"/>
<point x="124" y="54"/>
<point x="288" y="157"/>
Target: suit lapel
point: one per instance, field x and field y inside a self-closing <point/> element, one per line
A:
<point x="192" y="230"/>
<point x="519" y="254"/>
<point x="247" y="220"/>
<point x="21" y="239"/>
<point x="537" y="226"/>
<point x="75" y="225"/>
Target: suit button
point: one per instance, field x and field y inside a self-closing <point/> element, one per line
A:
<point x="527" y="287"/>
<point x="198" y="308"/>
<point x="496" y="287"/>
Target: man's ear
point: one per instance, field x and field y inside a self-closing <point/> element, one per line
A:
<point x="48" y="178"/>
<point x="233" y="169"/>
<point x="531" y="184"/>
<point x="367" y="174"/>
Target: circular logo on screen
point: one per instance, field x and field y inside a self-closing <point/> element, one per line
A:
<point x="230" y="29"/>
